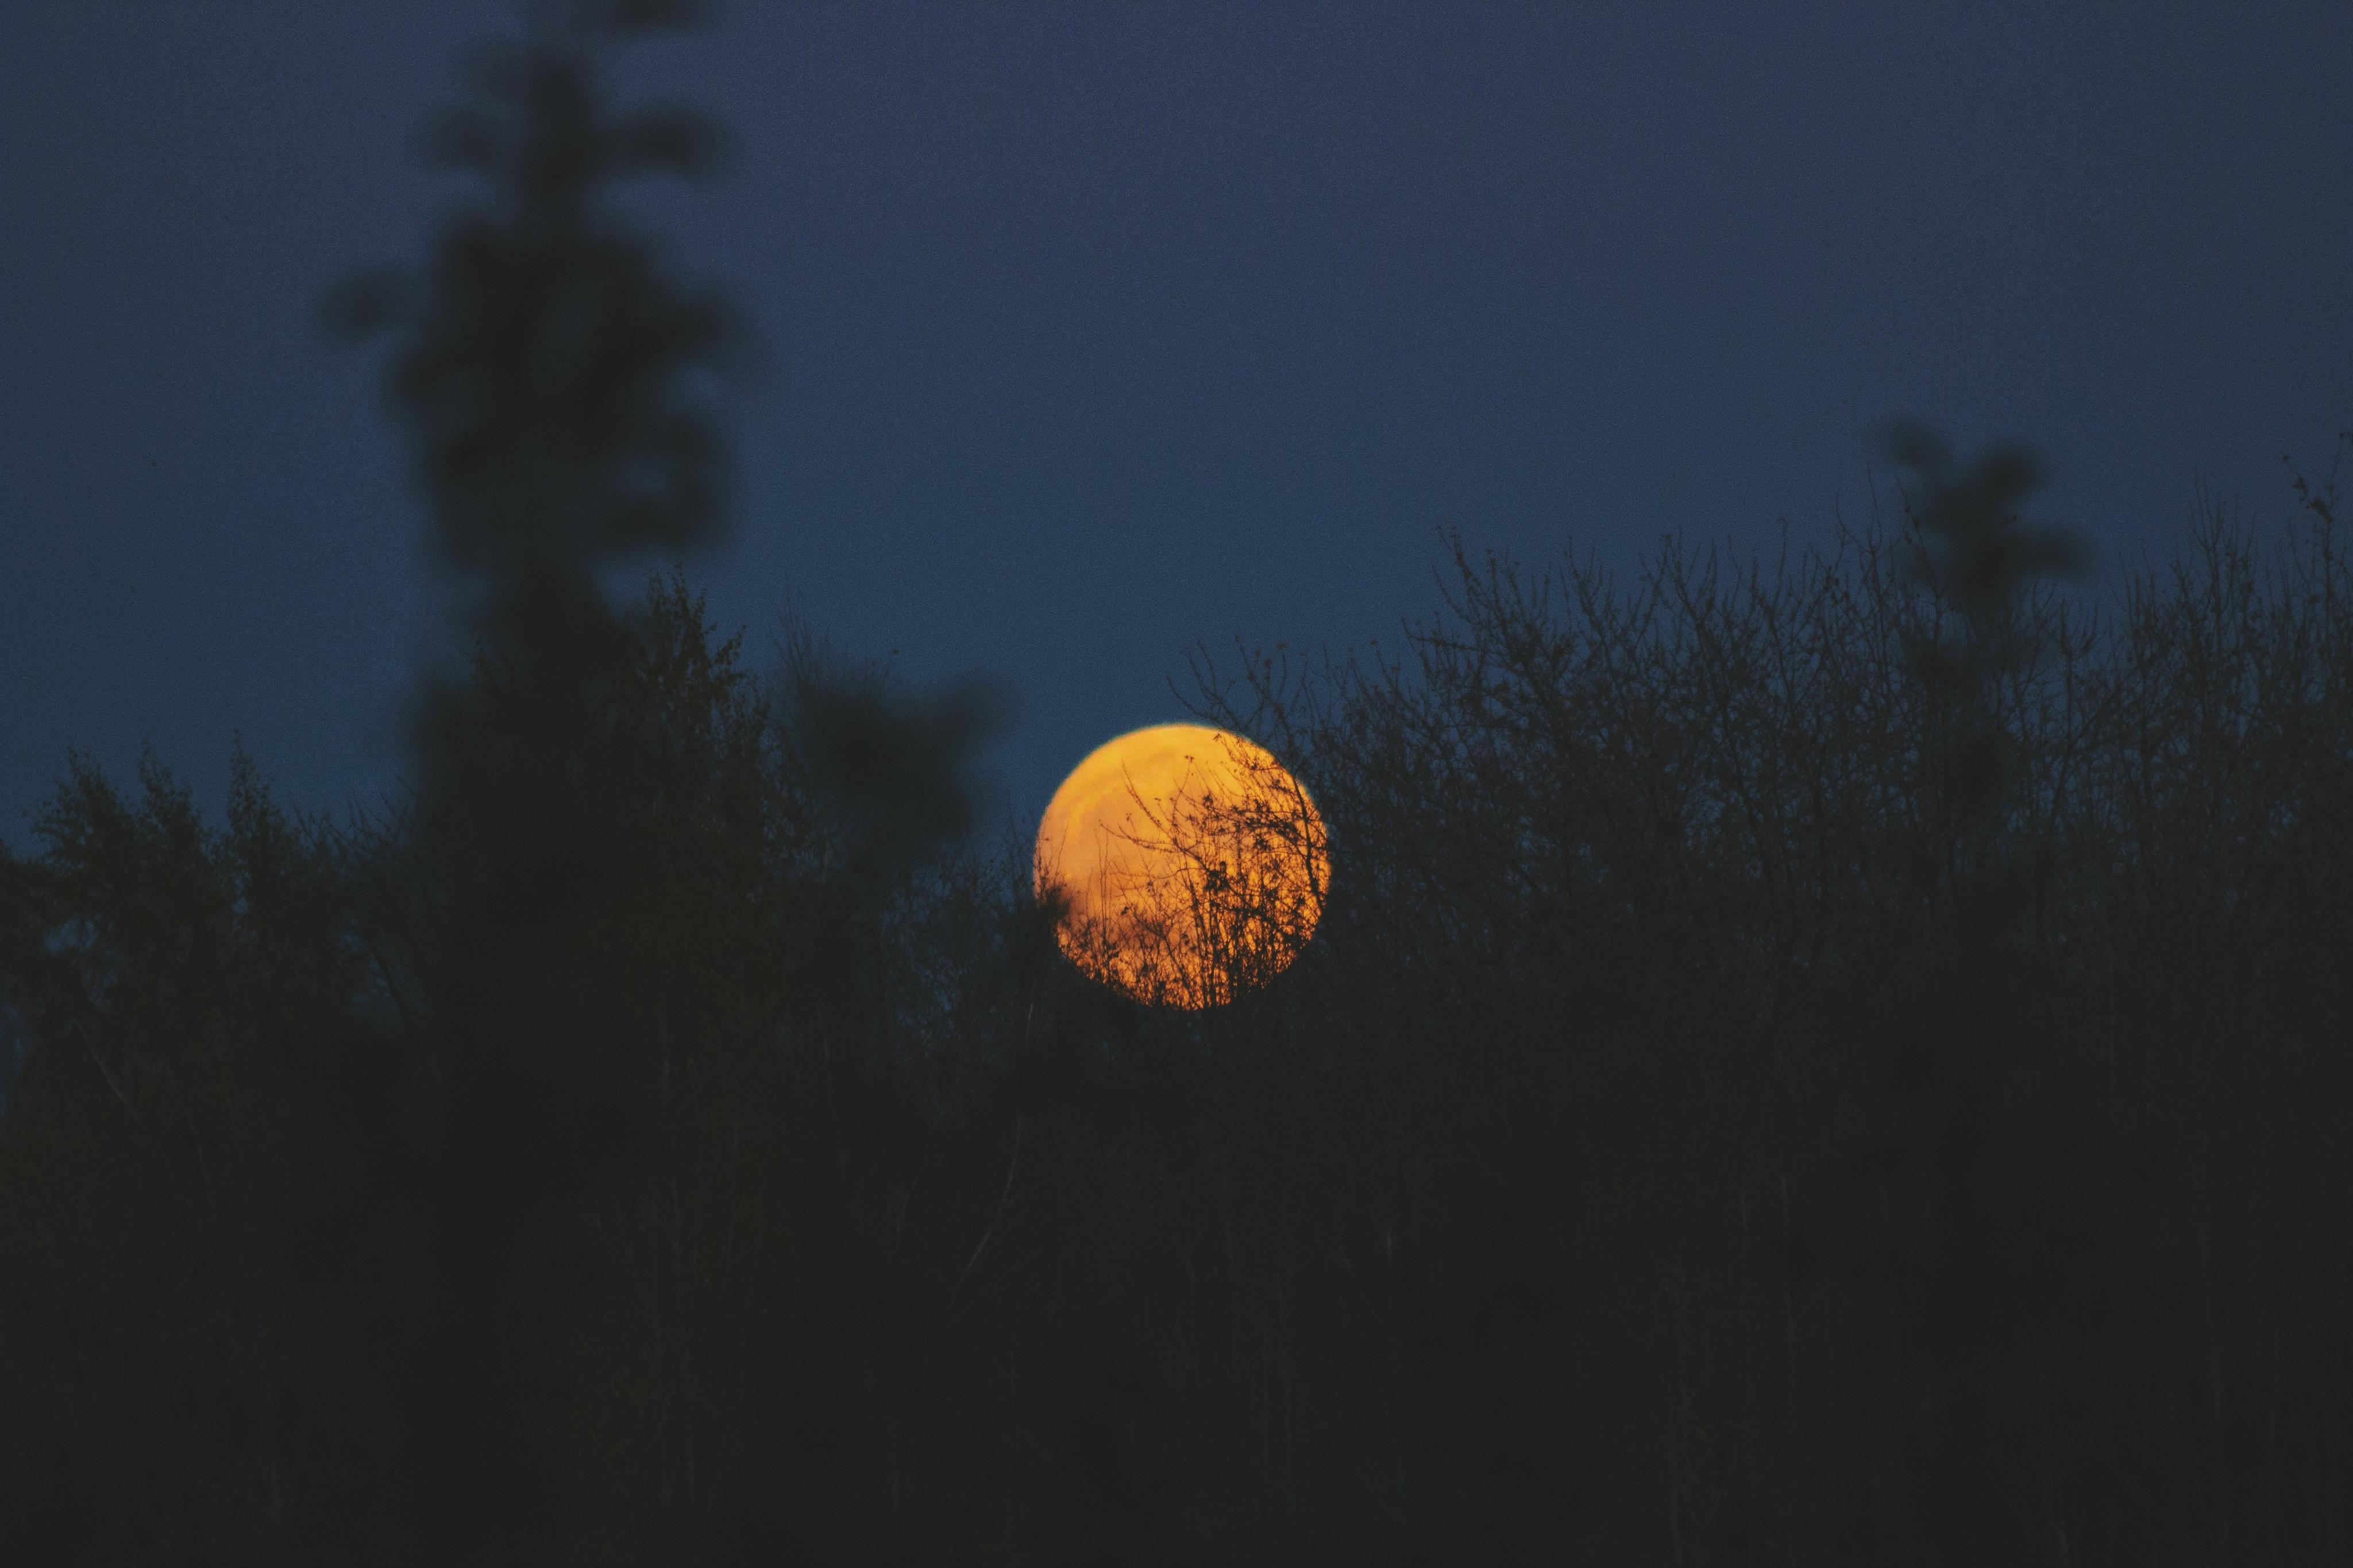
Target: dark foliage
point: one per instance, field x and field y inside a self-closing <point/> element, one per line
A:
<point x="1709" y="1126"/>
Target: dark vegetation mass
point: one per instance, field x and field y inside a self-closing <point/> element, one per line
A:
<point x="1839" y="1063"/>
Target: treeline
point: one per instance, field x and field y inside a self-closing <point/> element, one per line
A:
<point x="1837" y="1064"/>
<point x="1620" y="1174"/>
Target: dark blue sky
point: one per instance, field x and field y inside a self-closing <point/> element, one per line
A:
<point x="1106" y="328"/>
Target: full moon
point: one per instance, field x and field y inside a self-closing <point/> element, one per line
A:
<point x="1189" y="865"/>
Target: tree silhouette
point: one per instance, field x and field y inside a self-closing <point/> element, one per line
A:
<point x="2000" y="1130"/>
<point x="547" y="371"/>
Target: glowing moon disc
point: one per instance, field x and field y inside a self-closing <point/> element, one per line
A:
<point x="1192" y="865"/>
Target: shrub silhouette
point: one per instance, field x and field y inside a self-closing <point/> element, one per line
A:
<point x="1622" y="1170"/>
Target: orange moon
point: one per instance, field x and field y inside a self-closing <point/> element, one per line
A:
<point x="1190" y="865"/>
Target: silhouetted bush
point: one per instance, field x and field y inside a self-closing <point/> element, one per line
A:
<point x="1645" y="1161"/>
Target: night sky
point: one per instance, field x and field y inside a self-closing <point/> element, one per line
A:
<point x="1100" y="331"/>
